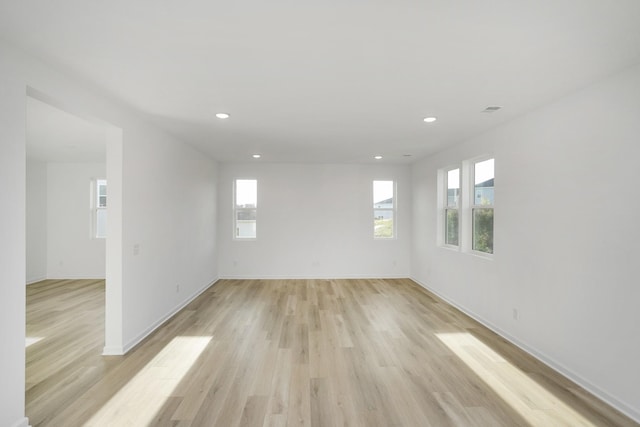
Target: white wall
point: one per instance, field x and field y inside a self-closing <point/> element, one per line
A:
<point x="314" y="221"/>
<point x="152" y="214"/>
<point x="71" y="250"/>
<point x="36" y="221"/>
<point x="566" y="236"/>
<point x="169" y="239"/>
<point x="12" y="245"/>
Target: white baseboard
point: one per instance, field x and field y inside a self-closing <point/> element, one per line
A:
<point x="310" y="277"/>
<point x="621" y="406"/>
<point x="40" y="279"/>
<point x="23" y="422"/>
<point x="161" y="321"/>
<point x="113" y="351"/>
<point x="36" y="280"/>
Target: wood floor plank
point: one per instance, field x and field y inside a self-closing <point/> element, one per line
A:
<point x="274" y="353"/>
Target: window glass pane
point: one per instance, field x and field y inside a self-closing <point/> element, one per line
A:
<point x="453" y="187"/>
<point x="483" y="185"/>
<point x="383" y="194"/>
<point x="483" y="230"/>
<point x="246" y="193"/>
<point x="383" y="223"/>
<point x="246" y="223"/>
<point x="451" y="218"/>
<point x="101" y="223"/>
<point x="101" y="191"/>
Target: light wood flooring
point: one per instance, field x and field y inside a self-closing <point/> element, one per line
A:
<point x="291" y="352"/>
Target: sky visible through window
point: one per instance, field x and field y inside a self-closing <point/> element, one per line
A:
<point x="246" y="192"/>
<point x="483" y="171"/>
<point x="453" y="179"/>
<point x="382" y="190"/>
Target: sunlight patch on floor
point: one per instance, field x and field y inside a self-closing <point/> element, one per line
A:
<point x="32" y="340"/>
<point x="533" y="402"/>
<point x="138" y="402"/>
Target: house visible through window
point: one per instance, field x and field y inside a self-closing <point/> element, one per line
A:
<point x="451" y="211"/>
<point x="482" y="206"/>
<point x="383" y="209"/>
<point x="100" y="209"/>
<point x="245" y="208"/>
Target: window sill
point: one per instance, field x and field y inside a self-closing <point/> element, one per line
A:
<point x="479" y="254"/>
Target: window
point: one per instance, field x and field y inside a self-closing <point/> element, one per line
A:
<point x="99" y="205"/>
<point x="245" y="208"/>
<point x="451" y="207"/>
<point x="466" y="205"/>
<point x="383" y="209"/>
<point x="482" y="206"/>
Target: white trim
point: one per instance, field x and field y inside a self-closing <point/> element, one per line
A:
<point x="119" y="351"/>
<point x="307" y="277"/>
<point x="113" y="351"/>
<point x="558" y="367"/>
<point x="23" y="422"/>
<point x="480" y="254"/>
<point x="36" y="280"/>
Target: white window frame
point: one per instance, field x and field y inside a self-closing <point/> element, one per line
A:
<point x="95" y="208"/>
<point x="236" y="210"/>
<point x="446" y="207"/>
<point x="393" y="209"/>
<point x="470" y="197"/>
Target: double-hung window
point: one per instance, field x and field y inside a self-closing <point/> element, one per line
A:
<point x="383" y="209"/>
<point x="245" y="203"/>
<point x="452" y="208"/>
<point x="466" y="202"/>
<point x="482" y="206"/>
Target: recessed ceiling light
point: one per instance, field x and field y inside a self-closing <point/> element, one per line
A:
<point x="222" y="115"/>
<point x="256" y="156"/>
<point x="377" y="157"/>
<point x="430" y="119"/>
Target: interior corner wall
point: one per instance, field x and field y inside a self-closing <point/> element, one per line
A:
<point x="314" y="221"/>
<point x="565" y="239"/>
<point x="36" y="221"/>
<point x="72" y="252"/>
<point x="168" y="208"/>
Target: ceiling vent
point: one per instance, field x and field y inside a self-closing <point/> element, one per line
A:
<point x="491" y="109"/>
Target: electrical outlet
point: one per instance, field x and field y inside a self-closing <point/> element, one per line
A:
<point x="177" y="288"/>
<point x="516" y="315"/>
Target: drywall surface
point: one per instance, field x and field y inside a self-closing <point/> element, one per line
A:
<point x="12" y="244"/>
<point x="165" y="202"/>
<point x="314" y="221"/>
<point x="566" y="236"/>
<point x="72" y="251"/>
<point x="36" y="220"/>
<point x="169" y="233"/>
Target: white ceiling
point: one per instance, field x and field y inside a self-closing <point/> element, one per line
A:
<point x="54" y="135"/>
<point x="332" y="80"/>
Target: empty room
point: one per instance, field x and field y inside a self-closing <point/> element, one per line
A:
<point x="321" y="214"/>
